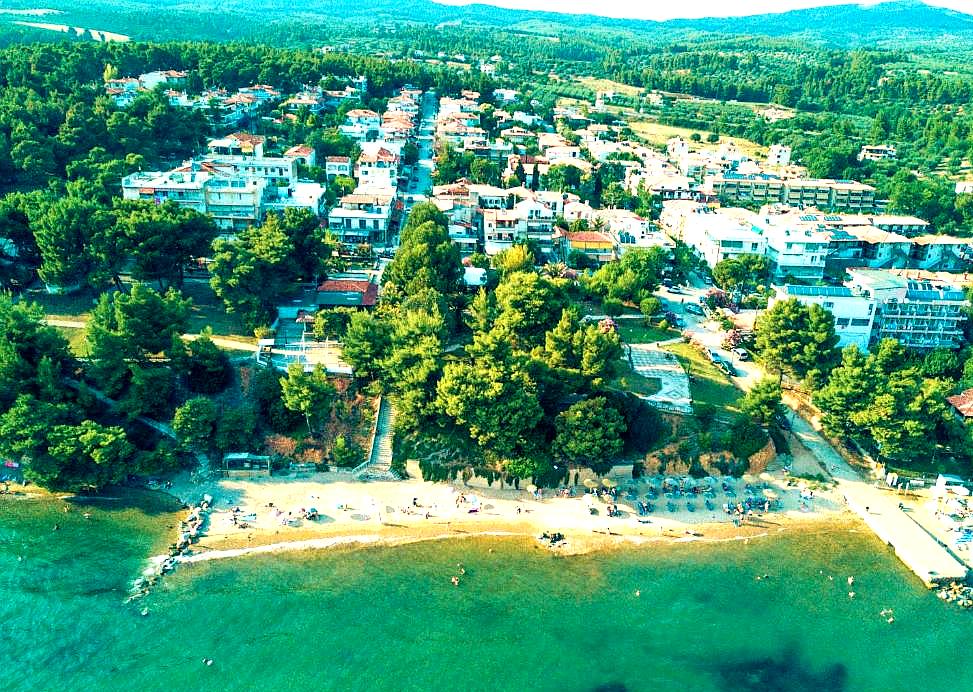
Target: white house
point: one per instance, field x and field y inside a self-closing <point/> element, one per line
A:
<point x="779" y="155"/>
<point x="715" y="234"/>
<point x="795" y="250"/>
<point x="377" y="167"/>
<point x="361" y="124"/>
<point x="362" y="218"/>
<point x="337" y="165"/>
<point x="303" y="154"/>
<point x="150" y="80"/>
<point x="854" y="314"/>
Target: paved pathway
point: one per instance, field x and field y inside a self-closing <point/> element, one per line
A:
<point x="651" y="362"/>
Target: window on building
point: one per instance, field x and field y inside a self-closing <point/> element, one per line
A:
<point x="859" y="322"/>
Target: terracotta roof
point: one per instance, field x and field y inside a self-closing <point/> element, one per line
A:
<point x="587" y="237"/>
<point x="963" y="403"/>
<point x="338" y="159"/>
<point x="382" y="154"/>
<point x="361" y="113"/>
<point x="368" y="290"/>
<point x="299" y="150"/>
<point x="247" y="138"/>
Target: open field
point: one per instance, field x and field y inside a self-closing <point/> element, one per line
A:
<point x="706" y="383"/>
<point x="209" y="311"/>
<point x="657" y="133"/>
<point x="610" y="85"/>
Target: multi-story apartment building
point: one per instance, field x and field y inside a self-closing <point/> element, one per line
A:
<point x="377" y="168"/>
<point x="796" y="192"/>
<point x="362" y="218"/>
<point x="528" y="220"/>
<point x="715" y="234"/>
<point x="919" y="314"/>
<point x="233" y="202"/>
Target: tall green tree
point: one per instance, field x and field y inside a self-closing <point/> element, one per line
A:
<point x="309" y="393"/>
<point x="797" y="340"/>
<point x="82" y="457"/>
<point x="589" y="432"/>
<point x="251" y="273"/>
<point x="366" y="343"/>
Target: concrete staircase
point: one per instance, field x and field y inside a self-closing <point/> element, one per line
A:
<point x="378" y="467"/>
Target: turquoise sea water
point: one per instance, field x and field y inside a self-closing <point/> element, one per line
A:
<point x="521" y="619"/>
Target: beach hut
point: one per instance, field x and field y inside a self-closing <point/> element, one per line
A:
<point x="245" y="465"/>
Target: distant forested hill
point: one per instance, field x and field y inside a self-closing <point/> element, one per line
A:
<point x="891" y="24"/>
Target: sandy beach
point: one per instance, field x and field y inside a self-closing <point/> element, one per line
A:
<point x="270" y="516"/>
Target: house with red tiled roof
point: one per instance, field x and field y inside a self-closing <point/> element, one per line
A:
<point x="361" y="124"/>
<point x="962" y="403"/>
<point x="595" y="245"/>
<point x="337" y="165"/>
<point x="377" y="167"/>
<point x="237" y="144"/>
<point x="352" y="293"/>
<point x="305" y="155"/>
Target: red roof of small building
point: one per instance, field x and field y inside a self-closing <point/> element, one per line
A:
<point x="587" y="237"/>
<point x="963" y="403"/>
<point x="338" y="159"/>
<point x="367" y="289"/>
<point x="299" y="150"/>
<point x="382" y="154"/>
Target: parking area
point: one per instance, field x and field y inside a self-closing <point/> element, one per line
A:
<point x="673" y="393"/>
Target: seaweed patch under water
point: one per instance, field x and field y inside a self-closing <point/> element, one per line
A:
<point x="786" y="672"/>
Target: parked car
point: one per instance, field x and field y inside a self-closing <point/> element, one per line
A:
<point x="727" y="368"/>
<point x="713" y="356"/>
<point x="694" y="309"/>
<point x="741" y="353"/>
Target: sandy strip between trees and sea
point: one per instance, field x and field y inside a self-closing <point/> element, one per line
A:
<point x="392" y="513"/>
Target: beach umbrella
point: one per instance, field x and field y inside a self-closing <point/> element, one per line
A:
<point x="608" y="483"/>
<point x="770" y="494"/>
<point x="766" y="477"/>
<point x="532" y="488"/>
<point x="590" y="483"/>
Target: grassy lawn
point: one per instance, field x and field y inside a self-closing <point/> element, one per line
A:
<point x="209" y="311"/>
<point x="657" y="133"/>
<point x="630" y="381"/>
<point x="76" y="340"/>
<point x="636" y="332"/>
<point x="706" y="383"/>
<point x="74" y="307"/>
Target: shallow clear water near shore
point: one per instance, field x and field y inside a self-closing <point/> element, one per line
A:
<point x="521" y="618"/>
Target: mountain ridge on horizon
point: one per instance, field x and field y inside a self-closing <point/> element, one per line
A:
<point x="846" y="25"/>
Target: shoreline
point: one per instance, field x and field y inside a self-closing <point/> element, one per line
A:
<point x="266" y="516"/>
<point x="574" y="544"/>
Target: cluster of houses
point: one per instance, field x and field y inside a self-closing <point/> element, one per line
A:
<point x="231" y="109"/>
<point x="234" y="182"/>
<point x="729" y="175"/>
<point x="370" y="213"/>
